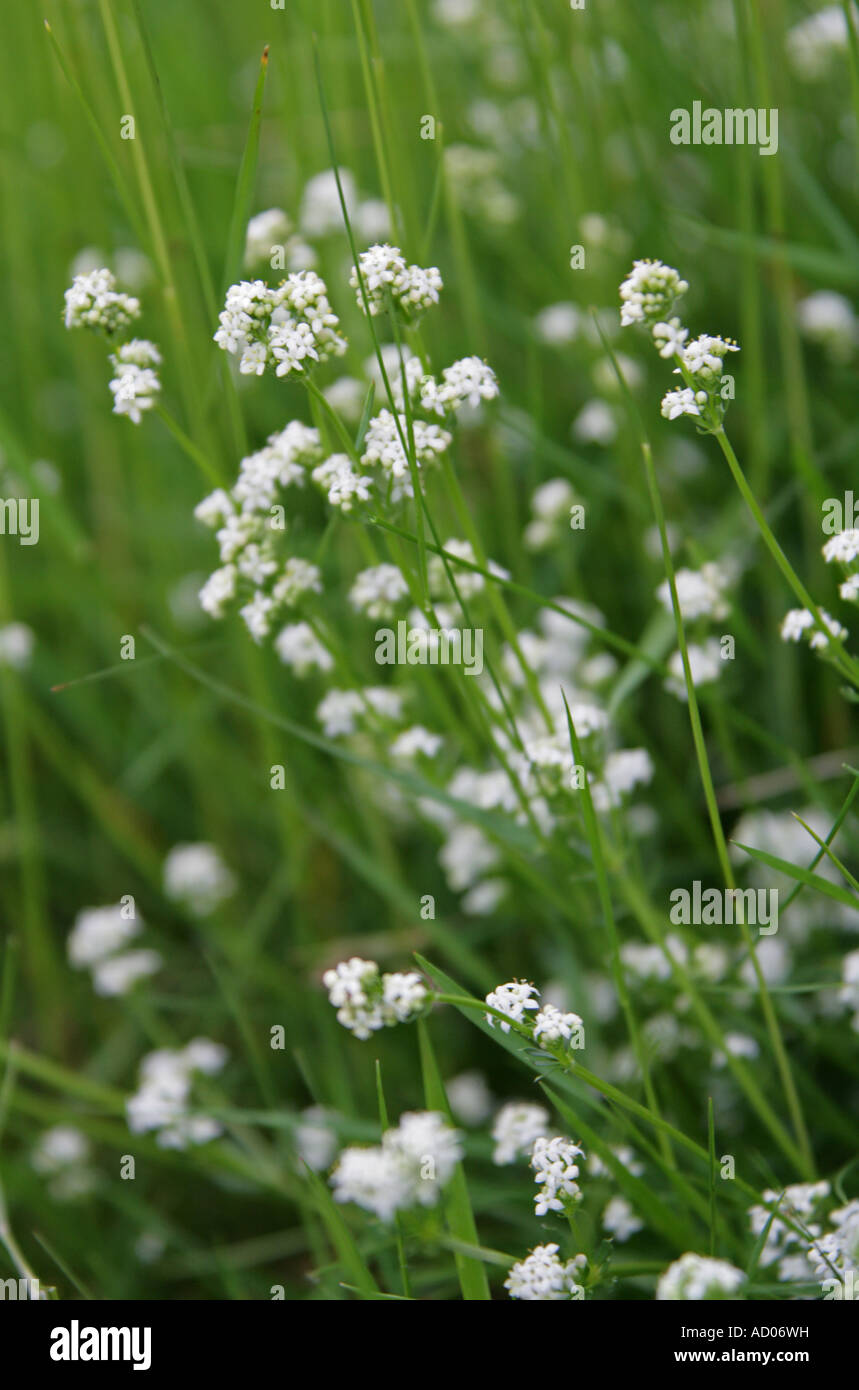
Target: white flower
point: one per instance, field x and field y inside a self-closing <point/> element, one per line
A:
<point x="387" y="277"/>
<point x="839" y="1248"/>
<point x="542" y="1278"/>
<point x="58" y="1148"/>
<point x="338" y="712"/>
<point x="315" y="1141"/>
<point x="684" y="402"/>
<point x="795" y="623"/>
<point x="469" y="1097"/>
<point x="416" y="741"/>
<point x="849" y="590"/>
<point x="512" y="1000"/>
<point x="555" y="1169"/>
<point x="705" y="665"/>
<point x="552" y="1025"/>
<point x="16" y="645"/>
<point x="92" y="301"/>
<point x="134" y="387"/>
<point x="367" y="1001"/>
<point x="669" y="337"/>
<point x="98" y="932"/>
<point x="842" y="548"/>
<point x="818" y="640"/>
<point x="828" y="318"/>
<point x="161" y="1100"/>
<point x="257" y="615"/>
<point x="299" y="577"/>
<point x="266" y="231"/>
<point x="697" y="1277"/>
<point x="814" y="42"/>
<point x="623" y="770"/>
<point x="378" y="590"/>
<point x="116" y="975"/>
<point x="285" y="328"/>
<point x="466" y="856"/>
<point x="699" y="593"/>
<point x="321" y="213"/>
<point x="299" y="647"/>
<point x="703" y="357"/>
<point x="467" y="382"/>
<point x="196" y="876"/>
<point x="552" y="500"/>
<point x="558" y="324"/>
<point x="516" y="1126"/>
<point x="215" y="508"/>
<point x="595" y="424"/>
<point x="385" y="439"/>
<point x="620" y="1220"/>
<point x="648" y="293"/>
<point x="410" y="1167"/>
<point x="218" y="590"/>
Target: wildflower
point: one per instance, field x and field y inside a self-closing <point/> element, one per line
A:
<point x="705" y="665"/>
<point x="321" y="213"/>
<point x="117" y="974"/>
<point x="338" y="712"/>
<point x="669" y="338"/>
<point x="699" y="593"/>
<point x="512" y="1000"/>
<point x="558" y="324"/>
<point x="377" y="591"/>
<point x="799" y="621"/>
<point x="265" y="231"/>
<point x="619" y="1219"/>
<point x="387" y="278"/>
<point x="703" y="357"/>
<point x="196" y="876"/>
<point x="467" y="382"/>
<point x="162" y="1099"/>
<point x="93" y="301"/>
<point x="58" y="1147"/>
<point x="838" y="1249"/>
<point x="555" y="1169"/>
<point x="299" y="647"/>
<point x="343" y="484"/>
<point x="414" y="741"/>
<point x="215" y="508"/>
<point x="469" y="1097"/>
<point x="367" y="1001"/>
<point x="842" y="548"/>
<point x="849" y="590"/>
<point x="828" y="318"/>
<point x="299" y="577"/>
<point x="814" y="42"/>
<point x="542" y="1278"/>
<point x="285" y="328"/>
<point x="795" y="623"/>
<point x="595" y="424"/>
<point x="135" y="383"/>
<point x="697" y="1277"/>
<point x="218" y="590"/>
<point x="683" y="402"/>
<point x="410" y="1167"/>
<point x="98" y="932"/>
<point x="552" y="1025"/>
<point x="516" y="1126"/>
<point x="623" y="770"/>
<point x="256" y="616"/>
<point x="384" y="443"/>
<point x="648" y="293"/>
<point x="315" y="1141"/>
<point x="16" y="645"/>
<point x="466" y="855"/>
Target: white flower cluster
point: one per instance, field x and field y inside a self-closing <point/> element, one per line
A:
<point x="62" y="1156"/>
<point x="550" y="507"/>
<point x="705" y="665"/>
<point x="799" y="1204"/>
<point x="699" y="593"/>
<point x="410" y="1167"/>
<point x="367" y="1001"/>
<point x="250" y="527"/>
<point x="387" y="440"/>
<point x="623" y="771"/>
<point x="838" y="1250"/>
<point x="289" y="328"/>
<point x="162" y="1100"/>
<point x="17" y="641"/>
<point x="377" y="591"/>
<point x="516" y="1126"/>
<point x="550" y="1025"/>
<point x="799" y="622"/>
<point x="693" y="1278"/>
<point x="196" y="876"/>
<point x="512" y="1000"/>
<point x="555" y="1168"/>
<point x="298" y="647"/>
<point x="648" y="293"/>
<point x="828" y="319"/>
<point x="96" y="942"/>
<point x="93" y="301"/>
<point x="271" y="233"/>
<point x="542" y="1278"/>
<point x="387" y="279"/>
<point x="341" y="710"/>
<point x="135" y="382"/>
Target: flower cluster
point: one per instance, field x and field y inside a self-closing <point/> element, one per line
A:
<point x="92" y="301"/>
<point x="196" y="876"/>
<point x="367" y="1001"/>
<point x="289" y="328"/>
<point x="693" y="1278"/>
<point x="555" y="1168"/>
<point x="648" y="293"/>
<point x="96" y="942"/>
<point x="516" y="1126"/>
<point x="388" y="280"/>
<point x="836" y="1253"/>
<point x="799" y="622"/>
<point x="541" y="1277"/>
<point x="784" y="1245"/>
<point x="269" y="235"/>
<point x="410" y="1167"/>
<point x="550" y="1025"/>
<point x="161" y="1102"/>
